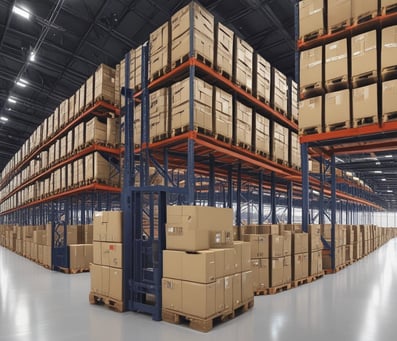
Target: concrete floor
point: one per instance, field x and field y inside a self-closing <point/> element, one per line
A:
<point x="356" y="304"/>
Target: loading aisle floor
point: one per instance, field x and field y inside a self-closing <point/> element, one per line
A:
<point x="356" y="304"/>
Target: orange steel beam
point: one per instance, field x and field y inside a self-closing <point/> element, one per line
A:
<point x="97" y="105"/>
<point x="88" y="188"/>
<point x="90" y="149"/>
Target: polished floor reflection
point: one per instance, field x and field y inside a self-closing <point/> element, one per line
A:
<point x="356" y="304"/>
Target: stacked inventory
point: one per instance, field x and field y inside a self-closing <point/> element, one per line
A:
<point x="271" y="256"/>
<point x="340" y="245"/>
<point x="107" y="267"/>
<point x="351" y="70"/>
<point x="315" y="250"/>
<point x="193" y="32"/>
<point x="300" y="262"/>
<point x="357" y="242"/>
<point x="41" y="169"/>
<point x="205" y="273"/>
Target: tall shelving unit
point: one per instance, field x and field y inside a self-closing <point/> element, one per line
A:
<point x="232" y="175"/>
<point x="367" y="138"/>
<point x="73" y="204"/>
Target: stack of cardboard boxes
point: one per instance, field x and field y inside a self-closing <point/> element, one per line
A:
<point x="107" y="267"/>
<point x="356" y="63"/>
<point x="315" y="250"/>
<point x="340" y="245"/>
<point x="205" y="273"/>
<point x="271" y="255"/>
<point x="300" y="263"/>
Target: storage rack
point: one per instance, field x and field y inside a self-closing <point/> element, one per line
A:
<point x="75" y="204"/>
<point x="199" y="154"/>
<point x="381" y="136"/>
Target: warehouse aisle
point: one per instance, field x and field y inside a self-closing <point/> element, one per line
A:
<point x="356" y="304"/>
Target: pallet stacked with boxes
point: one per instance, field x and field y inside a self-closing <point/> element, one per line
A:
<point x="349" y="81"/>
<point x="300" y="262"/>
<point x="106" y="271"/>
<point x="215" y="110"/>
<point x="206" y="276"/>
<point x="35" y="243"/>
<point x="315" y="251"/>
<point x="38" y="169"/>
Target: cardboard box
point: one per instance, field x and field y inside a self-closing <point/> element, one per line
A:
<point x="287" y="236"/>
<point x="276" y="272"/>
<point x="229" y="262"/>
<point x="268" y="229"/>
<point x="47" y="256"/>
<point x="315" y="264"/>
<point x="112" y="254"/>
<point x="389" y="91"/>
<point x="362" y="8"/>
<point x="219" y="262"/>
<point x="263" y="78"/>
<point x="107" y="226"/>
<point x="247" y="293"/>
<point x="242" y="254"/>
<point x="88" y="233"/>
<point x="221" y="239"/>
<point x="77" y="257"/>
<point x="172" y="294"/>
<point x="199" y="299"/>
<point x="224" y="49"/>
<point x="300" y="243"/>
<point x="297" y="266"/>
<point x="305" y="265"/>
<point x="310" y="16"/>
<point x="260" y="273"/>
<point x="40" y="254"/>
<point x="287" y="273"/>
<point x="188" y="226"/>
<point x="97" y="253"/>
<point x="244" y="124"/>
<point x="262" y="134"/>
<point x="365" y="102"/>
<point x="228" y="293"/>
<point x="311" y="64"/>
<point x="199" y="267"/>
<point x="243" y="62"/>
<point x="237" y="290"/>
<point x="364" y="53"/>
<point x="116" y="283"/>
<point x="337" y="107"/>
<point x="336" y="60"/>
<point x="220" y="295"/>
<point x="389" y="46"/>
<point x="96" y="278"/>
<point x="310" y="113"/>
<point x="223" y="113"/>
<point x="315" y="242"/>
<point x="276" y="246"/>
<point x="339" y="12"/>
<point x="172" y="264"/>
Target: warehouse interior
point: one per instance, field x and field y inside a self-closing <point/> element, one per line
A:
<point x="225" y="167"/>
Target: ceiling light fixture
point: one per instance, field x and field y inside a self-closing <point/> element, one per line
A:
<point x="377" y="163"/>
<point x="378" y="172"/>
<point x="22" y="83"/>
<point x="11" y="100"/>
<point x="389" y="191"/>
<point x="32" y="56"/>
<point x="21" y="12"/>
<point x="3" y="118"/>
<point x="383" y="179"/>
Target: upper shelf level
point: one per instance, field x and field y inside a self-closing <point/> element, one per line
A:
<point x="213" y="76"/>
<point x="377" y="22"/>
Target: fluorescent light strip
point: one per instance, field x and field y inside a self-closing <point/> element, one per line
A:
<point x="3" y="118"/>
<point x="21" y="12"/>
<point x="11" y="100"/>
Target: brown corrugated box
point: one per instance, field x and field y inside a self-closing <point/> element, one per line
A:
<point x="310" y="16"/>
<point x="112" y="254"/>
<point x="300" y="243"/>
<point x="310" y="113"/>
<point x="287" y="236"/>
<point x="336" y="59"/>
<point x="276" y="246"/>
<point x="339" y="11"/>
<point x="220" y="295"/>
<point x="116" y="283"/>
<point x="389" y="92"/>
<point x="311" y="64"/>
<point x="199" y="267"/>
<point x="172" y="294"/>
<point x="276" y="271"/>
<point x="97" y="253"/>
<point x="287" y="272"/>
<point x="172" y="264"/>
<point x="246" y="286"/>
<point x="229" y="262"/>
<point x="198" y="299"/>
<point x="268" y="229"/>
<point x="362" y="8"/>
<point x="365" y="102"/>
<point x="337" y="107"/>
<point x="364" y="53"/>
<point x="389" y="46"/>
<point x="237" y="290"/>
<point x="108" y="226"/>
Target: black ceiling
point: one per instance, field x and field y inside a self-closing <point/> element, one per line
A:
<point x="89" y="32"/>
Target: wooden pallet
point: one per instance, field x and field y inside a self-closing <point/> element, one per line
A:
<point x="223" y="138"/>
<point x="261" y="292"/>
<point x="315" y="277"/>
<point x="201" y="324"/>
<point x="391" y="116"/>
<point x="159" y="73"/>
<point x="389" y="73"/>
<point x="337" y="269"/>
<point x="244" y="87"/>
<point x="363" y="121"/>
<point x="339" y="27"/>
<point x="311" y="90"/>
<point x="362" y="18"/>
<point x="386" y="10"/>
<point x="312" y="35"/>
<point x="365" y="78"/>
<point x="72" y="271"/>
<point x="310" y="131"/>
<point x="115" y="305"/>
<point x="158" y="138"/>
<point x="337" y="126"/>
<point x="262" y="153"/>
<point x="298" y="282"/>
<point x="244" y="145"/>
<point x="279" y="288"/>
<point x="335" y="84"/>
<point x="186" y="57"/>
<point x="263" y="99"/>
<point x="224" y="73"/>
